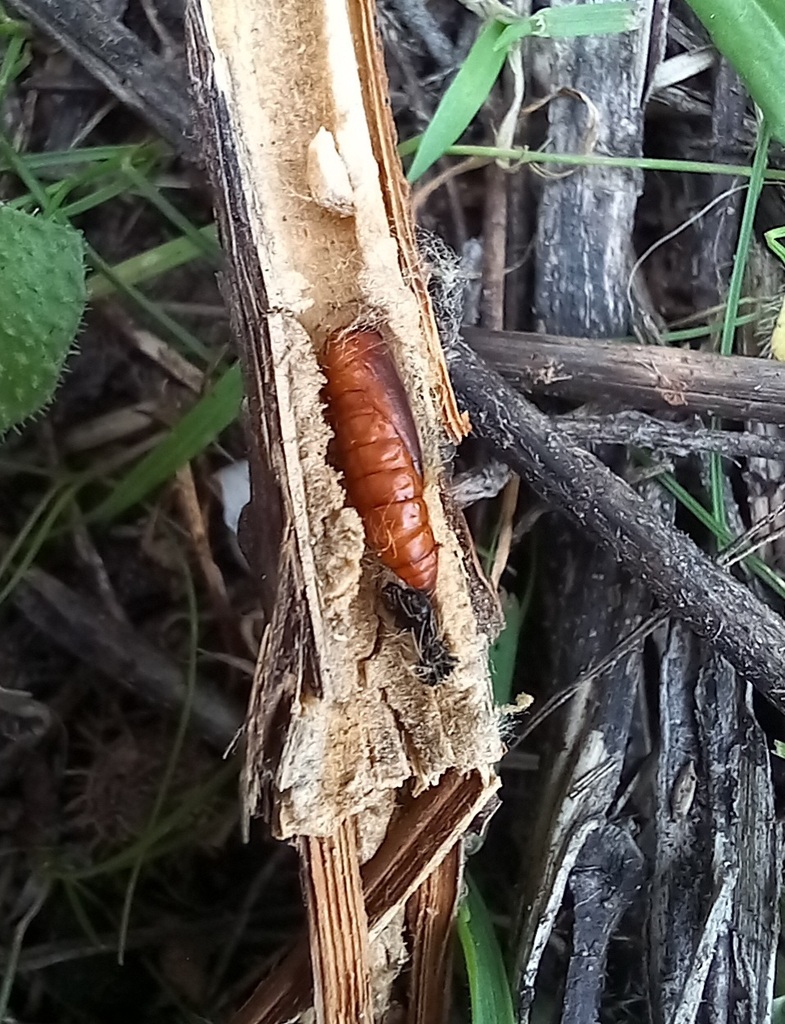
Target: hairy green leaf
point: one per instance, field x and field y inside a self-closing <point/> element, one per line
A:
<point x="43" y="286"/>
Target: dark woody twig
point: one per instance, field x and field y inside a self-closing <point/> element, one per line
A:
<point x="636" y="376"/>
<point x="684" y="579"/>
<point x="138" y="78"/>
<point x="637" y="430"/>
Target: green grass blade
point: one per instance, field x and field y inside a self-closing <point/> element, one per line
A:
<point x="15" y="59"/>
<point x="716" y="473"/>
<point x="61" y="158"/>
<point x="147" y="837"/>
<point x="722" y="534"/>
<point x="745" y="238"/>
<point x="14" y="950"/>
<point x="751" y="34"/>
<point x="489" y="988"/>
<point x="89" y="202"/>
<point x="104" y="174"/>
<point x="146" y="265"/>
<point x="200" y="426"/>
<point x="203" y="241"/>
<point x="166" y="323"/>
<point x="22" y="171"/>
<point x="13" y="26"/>
<point x="32" y="538"/>
<point x="570" y="22"/>
<point x="73" y="893"/>
<point x="504" y="650"/>
<point x="708" y="330"/>
<point x="464" y="97"/>
<point x="523" y="155"/>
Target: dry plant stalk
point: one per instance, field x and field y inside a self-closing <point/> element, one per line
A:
<point x="314" y="217"/>
<point x="423" y="835"/>
<point x="337" y="926"/>
<point x="429" y="913"/>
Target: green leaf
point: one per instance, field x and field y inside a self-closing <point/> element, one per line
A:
<point x="200" y="426"/>
<point x="151" y="309"/>
<point x="464" y="97"/>
<point x="504" y="649"/>
<point x="569" y="22"/>
<point x="735" y="287"/>
<point x="489" y="988"/>
<point x="146" y="265"/>
<point x="751" y="34"/>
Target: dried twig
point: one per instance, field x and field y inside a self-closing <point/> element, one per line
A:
<point x="581" y="269"/>
<point x="194" y="521"/>
<point x="118" y="652"/>
<point x="636" y="376"/>
<point x="338" y="940"/>
<point x="637" y="430"/>
<point x="430" y="914"/>
<point x="681" y="576"/>
<point x="421" y="836"/>
<point x="138" y="78"/>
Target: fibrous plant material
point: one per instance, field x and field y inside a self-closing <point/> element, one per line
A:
<point x="338" y="928"/>
<point x="359" y="724"/>
<point x="422" y="835"/>
<point x="430" y="913"/>
<point x="313" y="215"/>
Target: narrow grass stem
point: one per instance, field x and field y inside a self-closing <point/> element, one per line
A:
<point x="530" y="156"/>
<point x="148" y="838"/>
<point x="757" y="178"/>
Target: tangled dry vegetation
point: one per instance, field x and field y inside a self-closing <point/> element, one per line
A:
<point x="623" y="486"/>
